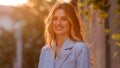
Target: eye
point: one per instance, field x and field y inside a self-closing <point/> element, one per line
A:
<point x="64" y="18"/>
<point x="54" y="18"/>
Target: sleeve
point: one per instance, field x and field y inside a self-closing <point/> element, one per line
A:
<point x="83" y="58"/>
<point x="41" y="58"/>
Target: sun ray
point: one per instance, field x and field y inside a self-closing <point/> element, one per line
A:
<point x="12" y="2"/>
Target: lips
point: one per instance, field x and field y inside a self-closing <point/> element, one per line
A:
<point x="59" y="28"/>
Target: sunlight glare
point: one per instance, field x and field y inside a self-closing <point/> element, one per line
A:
<point x="48" y="0"/>
<point x="12" y="2"/>
<point x="64" y="1"/>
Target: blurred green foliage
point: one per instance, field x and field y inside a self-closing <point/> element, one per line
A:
<point x="117" y="9"/>
<point x="116" y="36"/>
<point x="100" y="6"/>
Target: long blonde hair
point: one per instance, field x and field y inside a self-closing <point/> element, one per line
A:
<point x="73" y="18"/>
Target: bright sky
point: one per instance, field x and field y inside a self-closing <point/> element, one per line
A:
<point x="64" y="0"/>
<point x="12" y="2"/>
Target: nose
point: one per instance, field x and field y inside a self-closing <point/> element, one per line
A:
<point x="58" y="21"/>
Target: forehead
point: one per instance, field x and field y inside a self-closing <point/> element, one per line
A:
<point x="59" y="12"/>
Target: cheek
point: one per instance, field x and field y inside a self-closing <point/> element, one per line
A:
<point x="67" y="26"/>
<point x="53" y="24"/>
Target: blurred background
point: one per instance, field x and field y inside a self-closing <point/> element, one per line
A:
<point x="22" y="28"/>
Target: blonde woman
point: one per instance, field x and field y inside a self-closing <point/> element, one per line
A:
<point x="65" y="47"/>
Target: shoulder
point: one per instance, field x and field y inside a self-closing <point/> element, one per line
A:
<point x="45" y="47"/>
<point x="79" y="45"/>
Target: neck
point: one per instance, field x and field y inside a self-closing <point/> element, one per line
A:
<point x="60" y="40"/>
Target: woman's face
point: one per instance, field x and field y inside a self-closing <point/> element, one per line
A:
<point x="60" y="24"/>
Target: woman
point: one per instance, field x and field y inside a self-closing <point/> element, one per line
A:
<point x="65" y="47"/>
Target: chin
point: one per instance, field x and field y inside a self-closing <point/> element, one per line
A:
<point x="59" y="32"/>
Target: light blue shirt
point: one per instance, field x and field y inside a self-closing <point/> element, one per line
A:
<point x="71" y="55"/>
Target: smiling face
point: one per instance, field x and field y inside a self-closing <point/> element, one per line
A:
<point x="63" y="21"/>
<point x="60" y="24"/>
